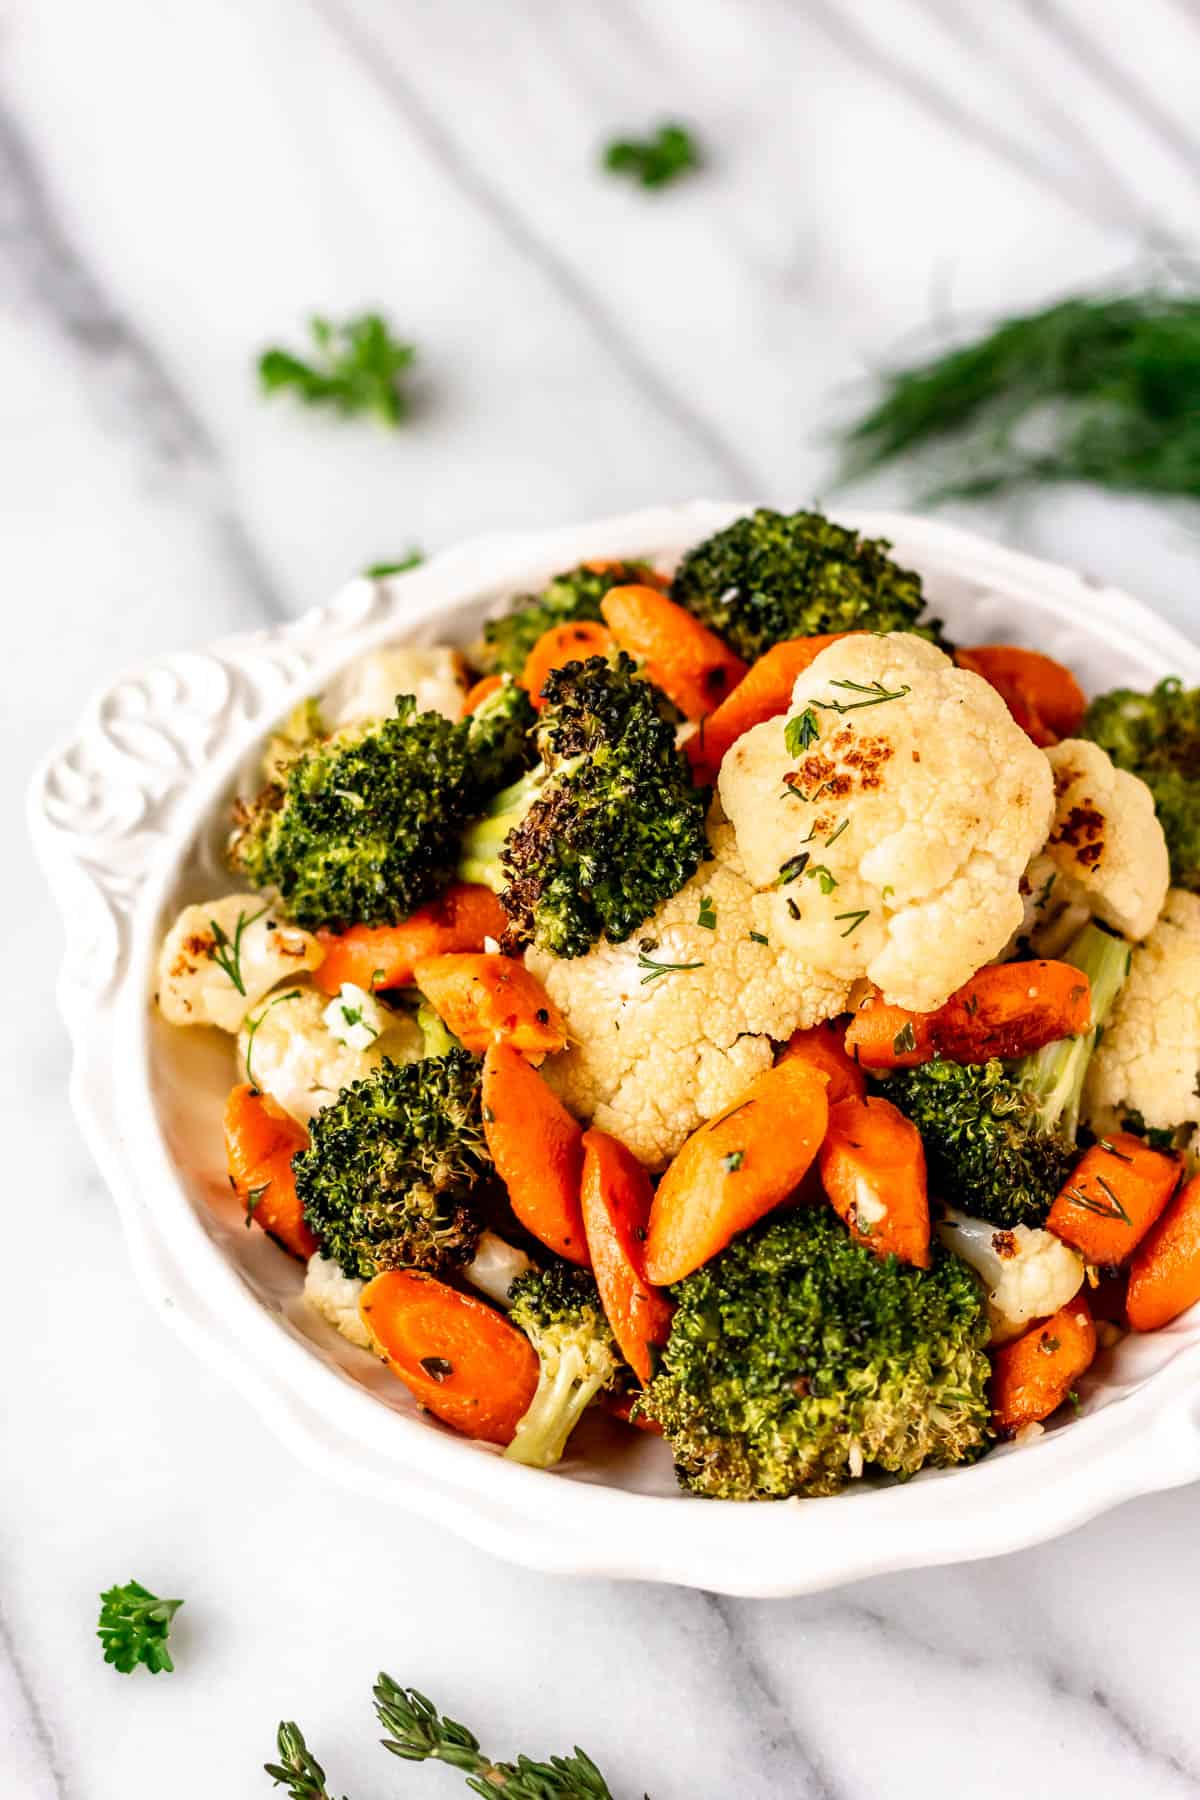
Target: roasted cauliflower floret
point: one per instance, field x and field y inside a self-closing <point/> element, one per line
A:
<point x="668" y="1028"/>
<point x="432" y="673"/>
<point x="335" y="1296"/>
<point x="1106" y="851"/>
<point x="1028" y="1273"/>
<point x="221" y="957"/>
<point x="888" y="820"/>
<point x="1146" y="1067"/>
<point x="286" y="1047"/>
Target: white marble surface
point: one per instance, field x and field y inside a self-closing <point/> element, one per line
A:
<point x="181" y="183"/>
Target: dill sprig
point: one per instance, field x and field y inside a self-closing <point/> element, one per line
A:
<point x="226" y="951"/>
<point x="1101" y="387"/>
<point x="656" y="968"/>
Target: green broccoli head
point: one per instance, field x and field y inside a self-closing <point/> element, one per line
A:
<point x="360" y="828"/>
<point x="1157" y="736"/>
<point x="393" y="1167"/>
<point x="797" y="1359"/>
<point x="570" y="597"/>
<point x="605" y="828"/>
<point x="1000" y="1137"/>
<point x="771" y="576"/>
<point x="560" y="1313"/>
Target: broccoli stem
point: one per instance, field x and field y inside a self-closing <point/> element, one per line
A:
<point x="482" y="842"/>
<point x="564" y="1392"/>
<point x="1055" y="1075"/>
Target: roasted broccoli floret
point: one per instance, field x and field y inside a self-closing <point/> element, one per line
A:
<point x="570" y="597"/>
<point x="1000" y="1137"/>
<point x="1157" y="736"/>
<point x="798" y="1360"/>
<point x="394" y="1165"/>
<point x="771" y="576"/>
<point x="560" y="1313"/>
<point x="608" y="824"/>
<point x="361" y="827"/>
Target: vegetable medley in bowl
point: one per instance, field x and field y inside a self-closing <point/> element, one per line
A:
<point x="716" y="999"/>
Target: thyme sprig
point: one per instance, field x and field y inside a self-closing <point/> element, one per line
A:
<point x="656" y="968"/>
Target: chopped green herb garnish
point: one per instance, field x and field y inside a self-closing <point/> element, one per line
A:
<point x="133" y="1628"/>
<point x="253" y="1197"/>
<point x="758" y="938"/>
<point x="792" y="868"/>
<point x="905" y="1041"/>
<point x="801" y="731"/>
<point x="378" y="570"/>
<point x="834" y="836"/>
<point x="1048" y="1345"/>
<point x="708" y="914"/>
<point x="876" y="695"/>
<point x="226" y="952"/>
<point x="855" y="918"/>
<point x="826" y="879"/>
<point x="356" y="368"/>
<point x="656" y="969"/>
<point x="655" y="160"/>
<point x="1108" y="1208"/>
<point x="252" y="1025"/>
<point x="733" y="1161"/>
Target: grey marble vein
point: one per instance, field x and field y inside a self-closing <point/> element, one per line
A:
<point x="841" y="29"/>
<point x="757" y="1694"/>
<point x="44" y="1743"/>
<point x="43" y="271"/>
<point x="729" y="466"/>
<point x="1114" y="77"/>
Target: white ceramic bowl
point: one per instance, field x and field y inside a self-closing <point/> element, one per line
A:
<point x="128" y="816"/>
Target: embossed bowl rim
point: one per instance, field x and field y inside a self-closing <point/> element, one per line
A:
<point x="118" y="808"/>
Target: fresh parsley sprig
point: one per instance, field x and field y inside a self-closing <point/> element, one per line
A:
<point x="355" y="367"/>
<point x="133" y="1628"/>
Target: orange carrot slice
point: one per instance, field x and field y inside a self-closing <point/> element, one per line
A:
<point x="537" y="1148"/>
<point x="823" y="1046"/>
<point x="1164" y="1276"/>
<point x="489" y="999"/>
<point x="260" y="1142"/>
<point x="385" y="956"/>
<point x="736" y="1168"/>
<point x="573" y="642"/>
<point x="1032" y="1376"/>
<point x="458" y="1356"/>
<point x="690" y="663"/>
<point x="476" y="695"/>
<point x="617" y="1196"/>
<point x="872" y="1167"/>
<point x="1042" y="695"/>
<point x="764" y="692"/>
<point x="1116" y="1191"/>
<point x="882" y="1036"/>
<point x="1006" y="1011"/>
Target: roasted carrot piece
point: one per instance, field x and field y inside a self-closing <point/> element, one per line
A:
<point x="573" y="642"/>
<point x="872" y="1167"/>
<point x="690" y="663"/>
<point x="736" y="1168"/>
<point x="1007" y="1011"/>
<point x="260" y="1142"/>
<point x="620" y="1406"/>
<point x="1042" y="695"/>
<point x="823" y="1046"/>
<point x="385" y="956"/>
<point x="764" y="692"/>
<point x="1116" y="1191"/>
<point x="489" y="999"/>
<point x="616" y="1196"/>
<point x="1164" y="1276"/>
<point x="882" y="1036"/>
<point x="476" y="695"/>
<point x="458" y="1356"/>
<point x="608" y="565"/>
<point x="537" y="1148"/>
<point x="1032" y="1376"/>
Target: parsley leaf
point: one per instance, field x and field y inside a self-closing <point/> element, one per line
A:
<point x="133" y="1628"/>
<point x="654" y="161"/>
<point x="356" y="368"/>
<point x="707" y="916"/>
<point x="801" y="731"/>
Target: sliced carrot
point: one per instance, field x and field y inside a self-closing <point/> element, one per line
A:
<point x="764" y="692"/>
<point x="872" y="1167"/>
<point x="458" y="1356"/>
<point x="1032" y="1376"/>
<point x="537" y="1148"/>
<point x="476" y="695"/>
<point x="260" y="1142"/>
<point x="489" y="999"/>
<point x="690" y="663"/>
<point x="736" y="1168"/>
<point x="824" y="1048"/>
<point x="1005" y="1011"/>
<point x="384" y="956"/>
<point x="616" y="1196"/>
<point x="573" y="642"/>
<point x="1042" y="695"/>
<point x="1164" y="1276"/>
<point x="1116" y="1191"/>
